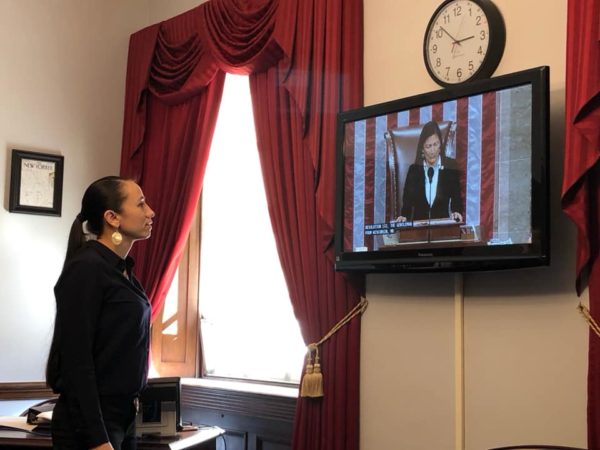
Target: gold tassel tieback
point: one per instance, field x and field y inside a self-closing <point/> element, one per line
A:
<point x="312" y="381"/>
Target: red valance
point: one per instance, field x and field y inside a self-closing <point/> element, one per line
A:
<point x="176" y="59"/>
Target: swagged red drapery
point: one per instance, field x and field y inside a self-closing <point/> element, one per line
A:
<point x="304" y="58"/>
<point x="581" y="180"/>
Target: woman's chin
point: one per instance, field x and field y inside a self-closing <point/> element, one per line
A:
<point x="143" y="236"/>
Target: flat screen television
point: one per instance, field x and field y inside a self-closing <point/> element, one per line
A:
<point x="450" y="180"/>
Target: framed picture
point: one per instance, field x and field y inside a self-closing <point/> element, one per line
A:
<point x="36" y="181"/>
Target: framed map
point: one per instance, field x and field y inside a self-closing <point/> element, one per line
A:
<point x="36" y="181"/>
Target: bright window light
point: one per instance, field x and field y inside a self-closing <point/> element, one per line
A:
<point x="248" y="327"/>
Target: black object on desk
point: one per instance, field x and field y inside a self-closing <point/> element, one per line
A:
<point x="159" y="408"/>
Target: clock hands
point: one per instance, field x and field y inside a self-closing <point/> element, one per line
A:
<point x="463" y="39"/>
<point x="454" y="41"/>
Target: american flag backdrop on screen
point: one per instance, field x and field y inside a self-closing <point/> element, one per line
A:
<point x="365" y="189"/>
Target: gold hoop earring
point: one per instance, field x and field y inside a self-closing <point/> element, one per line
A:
<point x="116" y="237"/>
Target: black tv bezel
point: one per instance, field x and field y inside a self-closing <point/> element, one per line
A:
<point x="460" y="259"/>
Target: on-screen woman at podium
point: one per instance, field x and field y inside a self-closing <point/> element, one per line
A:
<point x="432" y="187"/>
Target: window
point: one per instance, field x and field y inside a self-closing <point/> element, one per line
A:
<point x="247" y="323"/>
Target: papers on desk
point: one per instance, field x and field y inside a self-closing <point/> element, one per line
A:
<point x="16" y="423"/>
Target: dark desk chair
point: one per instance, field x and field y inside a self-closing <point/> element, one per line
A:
<point x="536" y="447"/>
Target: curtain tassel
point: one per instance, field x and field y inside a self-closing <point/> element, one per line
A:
<point x="312" y="382"/>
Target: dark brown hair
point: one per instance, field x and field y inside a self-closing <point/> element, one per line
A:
<point x="429" y="129"/>
<point x="100" y="196"/>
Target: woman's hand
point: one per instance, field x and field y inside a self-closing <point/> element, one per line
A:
<point x="400" y="219"/>
<point x="456" y="217"/>
<point x="105" y="446"/>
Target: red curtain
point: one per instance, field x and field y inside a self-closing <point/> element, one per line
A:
<point x="305" y="61"/>
<point x="171" y="107"/>
<point x="581" y="180"/>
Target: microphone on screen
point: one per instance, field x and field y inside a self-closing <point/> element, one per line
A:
<point x="430" y="176"/>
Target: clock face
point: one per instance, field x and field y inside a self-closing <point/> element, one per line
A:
<point x="457" y="42"/>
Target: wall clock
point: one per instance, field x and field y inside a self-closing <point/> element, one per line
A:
<point x="464" y="41"/>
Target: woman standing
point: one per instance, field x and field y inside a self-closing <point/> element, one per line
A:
<point x="98" y="359"/>
<point x="432" y="187"/>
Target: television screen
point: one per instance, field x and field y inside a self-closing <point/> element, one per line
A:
<point x="455" y="179"/>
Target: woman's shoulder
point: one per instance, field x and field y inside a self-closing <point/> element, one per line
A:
<point x="86" y="254"/>
<point x="86" y="262"/>
<point x="415" y="168"/>
<point x="450" y="164"/>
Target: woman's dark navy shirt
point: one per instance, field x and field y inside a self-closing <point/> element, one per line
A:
<point x="103" y="320"/>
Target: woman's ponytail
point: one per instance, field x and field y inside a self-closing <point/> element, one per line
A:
<point x="76" y="238"/>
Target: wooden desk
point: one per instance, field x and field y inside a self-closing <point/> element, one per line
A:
<point x="21" y="439"/>
<point x="202" y="439"/>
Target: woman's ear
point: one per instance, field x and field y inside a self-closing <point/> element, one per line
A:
<point x="112" y="218"/>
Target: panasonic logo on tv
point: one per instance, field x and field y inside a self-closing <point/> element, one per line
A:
<point x="424" y="254"/>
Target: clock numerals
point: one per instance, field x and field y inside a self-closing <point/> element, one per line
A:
<point x="458" y="74"/>
<point x="457" y="41"/>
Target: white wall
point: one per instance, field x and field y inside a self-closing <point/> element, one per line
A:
<point x="162" y="10"/>
<point x="62" y="86"/>
<point x="62" y="89"/>
<point x="520" y="376"/>
<point x="525" y="347"/>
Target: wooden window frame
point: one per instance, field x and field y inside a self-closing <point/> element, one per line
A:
<point x="180" y="355"/>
